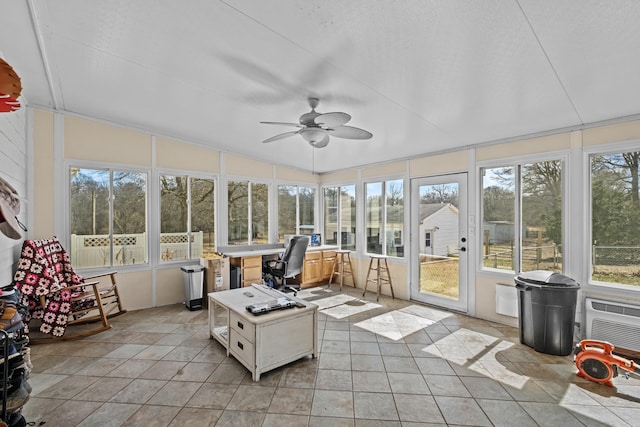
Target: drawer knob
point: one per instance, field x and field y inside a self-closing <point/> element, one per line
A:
<point x="240" y="325"/>
<point x="240" y="345"/>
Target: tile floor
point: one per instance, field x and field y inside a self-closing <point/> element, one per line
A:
<point x="392" y="363"/>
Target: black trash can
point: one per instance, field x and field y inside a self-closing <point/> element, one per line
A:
<point x="547" y="311"/>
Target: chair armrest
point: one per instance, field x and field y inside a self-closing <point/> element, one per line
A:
<point x="110" y="273"/>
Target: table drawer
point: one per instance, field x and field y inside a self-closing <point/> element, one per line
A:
<point x="242" y="349"/>
<point x="242" y="326"/>
<point x="252" y="261"/>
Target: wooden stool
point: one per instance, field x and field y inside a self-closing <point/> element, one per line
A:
<point x="342" y="267"/>
<point x="378" y="264"/>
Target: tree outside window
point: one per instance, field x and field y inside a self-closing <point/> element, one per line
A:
<point x="107" y="217"/>
<point x="187" y="217"/>
<point x="296" y="210"/>
<point x="533" y="240"/>
<point x="248" y="213"/>
<point x="339" y="204"/>
<point x="385" y="217"/>
<point x="615" y="218"/>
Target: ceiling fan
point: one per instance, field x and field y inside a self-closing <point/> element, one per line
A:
<point x="316" y="128"/>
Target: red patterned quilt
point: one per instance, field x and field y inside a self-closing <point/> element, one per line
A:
<point x="43" y="270"/>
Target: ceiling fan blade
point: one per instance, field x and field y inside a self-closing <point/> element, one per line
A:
<point x="281" y="136"/>
<point x="322" y="143"/>
<point x="329" y="120"/>
<point x="349" y="132"/>
<point x="298" y="125"/>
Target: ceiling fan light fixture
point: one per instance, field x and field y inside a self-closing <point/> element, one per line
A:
<point x="313" y="135"/>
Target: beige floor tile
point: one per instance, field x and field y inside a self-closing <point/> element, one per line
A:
<point x="110" y="415"/>
<point x="103" y="389"/>
<point x="130" y="368"/>
<point x="175" y="393"/>
<point x="377" y="406"/>
<point x="332" y="403"/>
<point x="213" y="396"/>
<point x="152" y="416"/>
<point x="138" y="391"/>
<point x="162" y="369"/>
<point x="331" y="379"/>
<point x="197" y="417"/>
<point x="240" y="418"/>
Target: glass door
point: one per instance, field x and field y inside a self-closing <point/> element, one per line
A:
<point x="439" y="241"/>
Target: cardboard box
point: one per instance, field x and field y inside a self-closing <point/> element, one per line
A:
<point x="216" y="274"/>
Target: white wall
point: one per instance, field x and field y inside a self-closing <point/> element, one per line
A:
<point x="13" y="168"/>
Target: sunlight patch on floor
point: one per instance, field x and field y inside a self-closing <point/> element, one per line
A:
<point x="395" y="325"/>
<point x="478" y="352"/>
<point x="349" y="309"/>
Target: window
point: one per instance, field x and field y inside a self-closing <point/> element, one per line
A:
<point x="187" y="217"/>
<point x="296" y="210"/>
<point x="522" y="216"/>
<point x="427" y="239"/>
<point x="340" y="216"/>
<point x="615" y="218"/>
<point x="107" y="217"/>
<point x="385" y="217"/>
<point x="248" y="214"/>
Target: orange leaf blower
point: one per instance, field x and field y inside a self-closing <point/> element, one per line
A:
<point x="596" y="362"/>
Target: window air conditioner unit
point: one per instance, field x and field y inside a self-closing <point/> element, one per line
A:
<point x="615" y="322"/>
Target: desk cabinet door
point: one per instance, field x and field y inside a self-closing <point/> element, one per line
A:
<point x="328" y="258"/>
<point x="312" y="270"/>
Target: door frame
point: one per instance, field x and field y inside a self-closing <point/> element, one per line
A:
<point x="462" y="304"/>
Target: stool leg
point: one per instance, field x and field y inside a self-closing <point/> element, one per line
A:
<point x="351" y="271"/>
<point x="366" y="282"/>
<point x="378" y="279"/>
<point x="333" y="270"/>
<point x="389" y="278"/>
<point x="341" y="270"/>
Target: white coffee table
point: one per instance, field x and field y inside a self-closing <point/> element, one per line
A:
<point x="267" y="341"/>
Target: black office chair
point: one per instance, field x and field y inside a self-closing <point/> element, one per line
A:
<point x="275" y="272"/>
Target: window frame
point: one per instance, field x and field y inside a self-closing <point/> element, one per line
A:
<point x="270" y="213"/>
<point x="618" y="290"/>
<point x="190" y="176"/>
<point x="563" y="157"/>
<point x="323" y="220"/>
<point x="384" y="181"/>
<point x="111" y="168"/>
<point x="298" y="208"/>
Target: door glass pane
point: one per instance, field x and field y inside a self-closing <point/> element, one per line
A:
<point x="348" y="217"/>
<point x="394" y="195"/>
<point x="373" y="196"/>
<point x="541" y="216"/>
<point x="174" y="215"/>
<point x="306" y="199"/>
<point x="260" y="213"/>
<point x="498" y="218"/>
<point x="203" y="242"/>
<point x="615" y="218"/>
<point x="439" y="236"/>
<point x="331" y="215"/>
<point x="89" y="218"/>
<point x="238" y="198"/>
<point x="286" y="211"/>
<point x="129" y="218"/>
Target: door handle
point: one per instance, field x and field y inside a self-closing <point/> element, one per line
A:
<point x="463" y="249"/>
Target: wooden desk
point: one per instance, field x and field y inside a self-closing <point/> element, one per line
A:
<point x="264" y="342"/>
<point x="317" y="265"/>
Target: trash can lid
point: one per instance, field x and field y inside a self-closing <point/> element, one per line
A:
<point x="546" y="278"/>
<point x="191" y="268"/>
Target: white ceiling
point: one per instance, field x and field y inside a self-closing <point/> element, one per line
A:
<point x="422" y="75"/>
